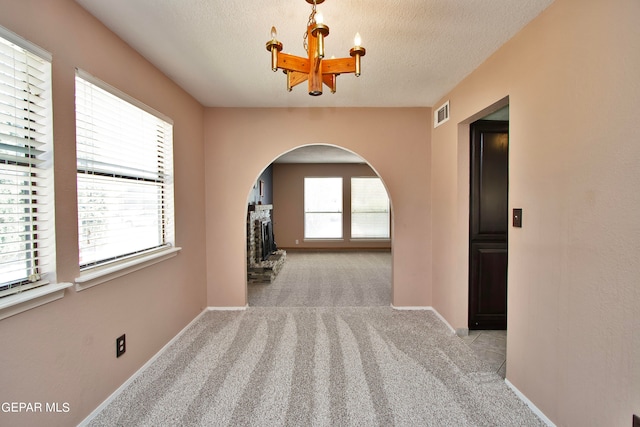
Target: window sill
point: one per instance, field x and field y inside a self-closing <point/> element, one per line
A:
<point x="17" y="303"/>
<point x="103" y="274"/>
<point x="370" y="239"/>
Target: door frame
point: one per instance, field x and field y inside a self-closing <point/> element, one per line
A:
<point x="461" y="233"/>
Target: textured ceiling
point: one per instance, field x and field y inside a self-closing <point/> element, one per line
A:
<point x="417" y="50"/>
<point x="319" y="154"/>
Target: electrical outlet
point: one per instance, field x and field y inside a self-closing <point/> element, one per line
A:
<point x="121" y="345"/>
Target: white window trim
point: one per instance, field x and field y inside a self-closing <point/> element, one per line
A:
<point x="122" y="95"/>
<point x="99" y="275"/>
<point x="23" y="301"/>
<point x="370" y="239"/>
<point x="45" y="291"/>
<point x="25" y="44"/>
<point x="341" y="212"/>
<point x="102" y="273"/>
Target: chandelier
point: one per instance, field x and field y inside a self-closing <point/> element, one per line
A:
<point x="314" y="69"/>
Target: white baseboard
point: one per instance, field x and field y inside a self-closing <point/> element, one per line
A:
<point x="428" y="308"/>
<point x="530" y="404"/>
<point x="412" y="308"/>
<point x="119" y="390"/>
<point x="239" y="308"/>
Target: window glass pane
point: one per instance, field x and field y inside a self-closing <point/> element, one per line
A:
<point x="323" y="208"/>
<point x="370" y="216"/>
<point x="16" y="227"/>
<point x="125" y="219"/>
<point x="323" y="194"/>
<point x="370" y="225"/>
<point x="323" y="225"/>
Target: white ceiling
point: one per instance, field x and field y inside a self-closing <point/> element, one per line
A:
<point x="319" y="154"/>
<point x="417" y="50"/>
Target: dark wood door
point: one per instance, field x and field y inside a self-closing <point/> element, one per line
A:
<point x="488" y="225"/>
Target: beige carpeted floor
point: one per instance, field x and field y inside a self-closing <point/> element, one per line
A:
<point x="288" y="362"/>
<point x="328" y="279"/>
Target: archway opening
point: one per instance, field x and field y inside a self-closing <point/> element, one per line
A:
<point x="330" y="216"/>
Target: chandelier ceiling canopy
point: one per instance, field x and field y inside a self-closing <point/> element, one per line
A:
<point x="315" y="68"/>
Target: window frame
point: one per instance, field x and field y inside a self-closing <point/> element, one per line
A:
<point x="340" y="212"/>
<point x="39" y="286"/>
<point x="387" y="212"/>
<point x="101" y="271"/>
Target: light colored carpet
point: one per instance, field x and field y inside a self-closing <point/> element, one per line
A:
<point x="317" y="366"/>
<point x="302" y="366"/>
<point x="328" y="279"/>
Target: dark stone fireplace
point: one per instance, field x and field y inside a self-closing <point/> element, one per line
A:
<point x="264" y="259"/>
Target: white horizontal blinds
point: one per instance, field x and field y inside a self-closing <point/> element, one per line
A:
<point x="125" y="168"/>
<point x="369" y="209"/>
<point x="323" y="208"/>
<point x="25" y="166"/>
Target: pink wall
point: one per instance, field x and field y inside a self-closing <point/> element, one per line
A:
<point x="572" y="81"/>
<point x="64" y="351"/>
<point x="240" y="143"/>
<point x="288" y="202"/>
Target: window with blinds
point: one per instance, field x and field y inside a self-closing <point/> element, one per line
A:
<point x="124" y="173"/>
<point x="26" y="217"/>
<point x="370" y="213"/>
<point x="323" y="208"/>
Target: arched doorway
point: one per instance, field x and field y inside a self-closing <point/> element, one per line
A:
<point x="323" y="247"/>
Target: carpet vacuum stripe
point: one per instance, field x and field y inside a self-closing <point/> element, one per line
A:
<point x="321" y="366"/>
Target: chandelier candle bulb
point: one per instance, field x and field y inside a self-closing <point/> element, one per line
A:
<point x="357" y="52"/>
<point x="274" y="46"/>
<point x="320" y="31"/>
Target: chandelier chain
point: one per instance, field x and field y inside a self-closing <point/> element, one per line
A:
<point x="312" y="20"/>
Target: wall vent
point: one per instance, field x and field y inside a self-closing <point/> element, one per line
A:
<point x="441" y="115"/>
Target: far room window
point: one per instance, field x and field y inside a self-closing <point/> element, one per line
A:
<point x="369" y="209"/>
<point x="26" y="169"/>
<point x="323" y="208"/>
<point x="124" y="175"/>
